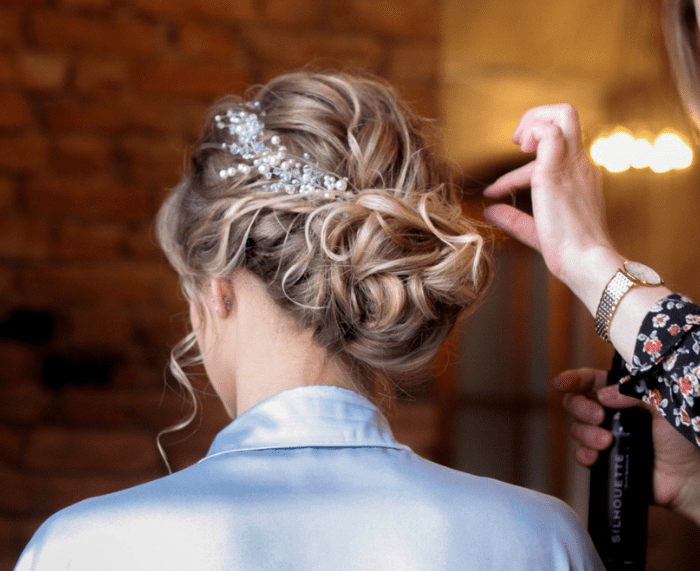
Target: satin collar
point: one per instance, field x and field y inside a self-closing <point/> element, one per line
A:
<point x="309" y="416"/>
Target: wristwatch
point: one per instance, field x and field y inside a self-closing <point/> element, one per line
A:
<point x="630" y="275"/>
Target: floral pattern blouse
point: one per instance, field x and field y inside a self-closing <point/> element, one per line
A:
<point x="665" y="371"/>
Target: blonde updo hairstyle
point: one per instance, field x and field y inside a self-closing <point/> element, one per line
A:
<point x="380" y="273"/>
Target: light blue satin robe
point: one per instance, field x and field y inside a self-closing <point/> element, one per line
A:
<point x="312" y="479"/>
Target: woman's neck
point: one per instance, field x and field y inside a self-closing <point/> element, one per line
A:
<point x="269" y="352"/>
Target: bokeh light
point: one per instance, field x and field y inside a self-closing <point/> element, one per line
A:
<point x="622" y="150"/>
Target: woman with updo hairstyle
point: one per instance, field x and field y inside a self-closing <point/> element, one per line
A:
<point x="320" y="241"/>
<point x="378" y="272"/>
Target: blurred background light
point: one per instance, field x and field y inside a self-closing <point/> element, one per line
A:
<point x="621" y="151"/>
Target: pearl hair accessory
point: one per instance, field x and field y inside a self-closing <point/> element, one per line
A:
<point x="286" y="174"/>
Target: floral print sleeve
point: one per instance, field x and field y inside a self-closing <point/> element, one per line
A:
<point x="665" y="371"/>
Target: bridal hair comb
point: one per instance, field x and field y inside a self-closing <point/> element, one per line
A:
<point x="286" y="174"/>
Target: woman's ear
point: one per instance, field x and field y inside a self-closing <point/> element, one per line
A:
<point x="222" y="294"/>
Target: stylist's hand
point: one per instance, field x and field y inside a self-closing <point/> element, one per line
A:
<point x="568" y="226"/>
<point x="676" y="480"/>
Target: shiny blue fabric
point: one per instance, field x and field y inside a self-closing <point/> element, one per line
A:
<point x="312" y="479"/>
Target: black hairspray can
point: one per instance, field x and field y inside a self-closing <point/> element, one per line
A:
<point x="620" y="490"/>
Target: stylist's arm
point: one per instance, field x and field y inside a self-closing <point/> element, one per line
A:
<point x="568" y="227"/>
<point x="568" y="224"/>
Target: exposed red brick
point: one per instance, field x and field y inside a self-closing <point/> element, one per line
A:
<point x="195" y="113"/>
<point x="103" y="327"/>
<point x="399" y="18"/>
<point x="83" y="240"/>
<point x="154" y="159"/>
<point x="15" y="495"/>
<point x="110" y="115"/>
<point x="230" y="10"/>
<point x="136" y="374"/>
<point x="15" y="532"/>
<point x="24" y="152"/>
<point x="10" y="26"/>
<point x="142" y="242"/>
<point x="42" y="70"/>
<point x="152" y="409"/>
<point x="415" y="62"/>
<point x="58" y="492"/>
<point x="24" y="238"/>
<point x="9" y="557"/>
<point x="78" y="153"/>
<point x="97" y="196"/>
<point x="117" y="451"/>
<point x="102" y="74"/>
<point x="157" y="328"/>
<point x="12" y="444"/>
<point x="7" y="281"/>
<point x="212" y="42"/>
<point x="29" y="3"/>
<point x="121" y="282"/>
<point x="7" y="192"/>
<point x="91" y="4"/>
<point x="95" y="407"/>
<point x="14" y="110"/>
<point x="53" y="29"/>
<point x="24" y="401"/>
<point x="191" y="79"/>
<point x="285" y="12"/>
<point x="324" y="49"/>
<point x="8" y="72"/>
<point x="18" y="359"/>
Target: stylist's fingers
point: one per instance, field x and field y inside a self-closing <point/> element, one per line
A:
<point x="578" y="384"/>
<point x="586" y="394"/>
<point x="552" y="131"/>
<point x="591" y="436"/>
<point x="586" y="456"/>
<point x="562" y="115"/>
<point x="584" y="380"/>
<point x="611" y="397"/>
<point x="513" y="222"/>
<point x="550" y="143"/>
<point x="513" y="180"/>
<point x="587" y="414"/>
<point x="583" y="409"/>
<point x="591" y="381"/>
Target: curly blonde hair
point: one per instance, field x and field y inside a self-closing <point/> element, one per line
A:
<point x="381" y="276"/>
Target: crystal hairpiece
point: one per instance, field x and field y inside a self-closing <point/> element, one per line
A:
<point x="286" y="174"/>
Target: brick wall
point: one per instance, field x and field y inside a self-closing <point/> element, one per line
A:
<point x="98" y="102"/>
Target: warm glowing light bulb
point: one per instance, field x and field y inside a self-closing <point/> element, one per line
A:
<point x="599" y="150"/>
<point x="670" y="152"/>
<point x="621" y="150"/>
<point x="642" y="151"/>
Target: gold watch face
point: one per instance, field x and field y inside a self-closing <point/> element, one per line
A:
<point x="642" y="274"/>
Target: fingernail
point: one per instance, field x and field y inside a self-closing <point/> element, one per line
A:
<point x="605" y="440"/>
<point x="608" y="392"/>
<point x="598" y="414"/>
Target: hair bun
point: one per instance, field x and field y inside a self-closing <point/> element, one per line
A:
<point x="381" y="275"/>
<point x="399" y="276"/>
